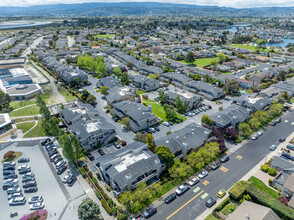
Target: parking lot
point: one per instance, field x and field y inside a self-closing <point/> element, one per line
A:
<point x="58" y="197"/>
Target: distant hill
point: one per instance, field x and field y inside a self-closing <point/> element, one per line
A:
<point x="140" y="8"/>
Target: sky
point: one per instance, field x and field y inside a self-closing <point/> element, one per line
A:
<point x="226" y="3"/>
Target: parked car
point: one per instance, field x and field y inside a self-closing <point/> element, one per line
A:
<point x="35" y="199"/>
<point x="10" y="176"/>
<point x="225" y="158"/>
<point x="31" y="189"/>
<point x="90" y="156"/>
<point x="139" y="217"/>
<point x="255" y="137"/>
<point x="215" y="165"/>
<point x="60" y="164"/>
<point x="57" y="159"/>
<point x="116" y="145"/>
<point x="193" y="181"/>
<point x="203" y="174"/>
<point x="260" y="133"/>
<point x="9" y="185"/>
<point x="51" y="153"/>
<point x="8" y="163"/>
<point x="13" y="190"/>
<point x="170" y="123"/>
<point x="71" y="181"/>
<point x="28" y="178"/>
<point x="221" y="193"/>
<point x="170" y="198"/>
<point x="44" y="142"/>
<point x="29" y="184"/>
<point x="61" y="170"/>
<point x="17" y="201"/>
<point x="182" y="189"/>
<point x="273" y="123"/>
<point x="166" y="124"/>
<point x="8" y="168"/>
<point x="23" y="160"/>
<point x="278" y="120"/>
<point x="273" y="147"/>
<point x="37" y="205"/>
<point x="152" y="130"/>
<point x="11" y="181"/>
<point x="149" y="212"/>
<point x="24" y="171"/>
<point x="287" y="156"/>
<point x="8" y="172"/>
<point x="14" y="195"/>
<point x="29" y="174"/>
<point x="210" y="202"/>
<point x="157" y="128"/>
<point x="67" y="177"/>
<point x="282" y="139"/>
<point x="54" y="156"/>
<point x="101" y="152"/>
<point x="23" y="167"/>
<point x="290" y="146"/>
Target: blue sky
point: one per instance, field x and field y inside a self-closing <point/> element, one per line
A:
<point x="227" y="3"/>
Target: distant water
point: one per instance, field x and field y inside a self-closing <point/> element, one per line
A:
<point x="282" y="44"/>
<point x="10" y="25"/>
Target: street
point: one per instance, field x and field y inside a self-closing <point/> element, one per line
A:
<point x="192" y="203"/>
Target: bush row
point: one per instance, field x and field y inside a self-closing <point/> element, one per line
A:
<point x="238" y="190"/>
<point x="105" y="205"/>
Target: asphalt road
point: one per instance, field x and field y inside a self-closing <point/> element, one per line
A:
<point x="192" y="203"/>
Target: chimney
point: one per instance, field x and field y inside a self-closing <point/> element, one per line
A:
<point x="202" y="79"/>
<point x="234" y="121"/>
<point x="206" y="133"/>
<point x="248" y="111"/>
<point x="136" y="100"/>
<point x="158" y="167"/>
<point x="217" y="84"/>
<point x="129" y="181"/>
<point x="247" y="216"/>
<point x="261" y="105"/>
<point x="184" y="149"/>
<point x="150" y="108"/>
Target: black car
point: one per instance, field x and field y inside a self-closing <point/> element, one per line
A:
<point x="282" y="139"/>
<point x="210" y="202"/>
<point x="10" y="176"/>
<point x="8" y="168"/>
<point x="49" y="147"/>
<point x="170" y="198"/>
<point x="182" y="189"/>
<point x="157" y="128"/>
<point x="71" y="181"/>
<point x="51" y="153"/>
<point x="8" y="172"/>
<point x="46" y="141"/>
<point x="24" y="171"/>
<point x="28" y="178"/>
<point x="215" y="165"/>
<point x="31" y="189"/>
<point x="149" y="212"/>
<point x="101" y="152"/>
<point x="148" y="130"/>
<point x="23" y="160"/>
<point x="29" y="184"/>
<point x="116" y="145"/>
<point x="90" y="156"/>
<point x="273" y="123"/>
<point x="61" y="170"/>
<point x="170" y="123"/>
<point x="225" y="158"/>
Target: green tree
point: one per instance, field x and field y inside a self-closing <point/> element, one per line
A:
<point x="165" y="155"/>
<point x="170" y="112"/>
<point x="4" y="101"/>
<point x="150" y="140"/>
<point x="262" y="116"/>
<point x="103" y="90"/>
<point x="185" y="106"/>
<point x="140" y="137"/>
<point x="89" y="210"/>
<point x="190" y="58"/>
<point x="245" y="129"/>
<point x="67" y="149"/>
<point x="275" y="109"/>
<point x="282" y="75"/>
<point x="178" y="103"/>
<point x="254" y="123"/>
<point x="125" y="121"/>
<point x="74" y="83"/>
<point x="91" y="99"/>
<point x="231" y="86"/>
<point x="180" y="170"/>
<point x="162" y="97"/>
<point x="206" y="120"/>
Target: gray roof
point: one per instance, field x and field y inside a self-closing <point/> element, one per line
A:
<point x="23" y="89"/>
<point x="18" y="78"/>
<point x="69" y="115"/>
<point x="108" y="82"/>
<point x="282" y="163"/>
<point x="253" y="101"/>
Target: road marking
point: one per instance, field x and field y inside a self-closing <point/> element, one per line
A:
<point x="286" y="121"/>
<point x="204" y="195"/>
<point x="196" y="189"/>
<point x="239" y="157"/>
<point x="175" y="212"/>
<point x="3" y="141"/>
<point x="292" y="123"/>
<point x="224" y="169"/>
<point x="205" y="182"/>
<point x="37" y="138"/>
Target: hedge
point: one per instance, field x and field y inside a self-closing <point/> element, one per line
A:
<point x="122" y="216"/>
<point x="238" y="190"/>
<point x="272" y="171"/>
<point x="265" y="199"/>
<point x="222" y="205"/>
<point x="264" y="168"/>
<point x="98" y="195"/>
<point x="94" y="180"/>
<point x="105" y="205"/>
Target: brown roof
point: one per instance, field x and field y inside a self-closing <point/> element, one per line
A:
<point x="253" y="211"/>
<point x="289" y="184"/>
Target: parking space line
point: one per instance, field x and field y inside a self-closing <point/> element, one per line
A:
<point x="3" y="141"/>
<point x="196" y="189"/>
<point x="205" y="183"/>
<point x="175" y="212"/>
<point x="224" y="169"/>
<point x="204" y="195"/>
<point x="239" y="157"/>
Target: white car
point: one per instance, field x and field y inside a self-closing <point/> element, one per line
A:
<point x="23" y="167"/>
<point x="13" y="190"/>
<point x="67" y="178"/>
<point x="260" y="133"/>
<point x="29" y="175"/>
<point x="166" y="124"/>
<point x="203" y="174"/>
<point x="37" y="205"/>
<point x="11" y="181"/>
<point x="8" y="164"/>
<point x="11" y="196"/>
<point x="193" y="181"/>
<point x="35" y="199"/>
<point x="254" y="137"/>
<point x="17" y="201"/>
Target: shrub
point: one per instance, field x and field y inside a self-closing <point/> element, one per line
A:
<point x="237" y="191"/>
<point x="283" y="200"/>
<point x="39" y="215"/>
<point x="270" y="182"/>
<point x="122" y="216"/>
<point x="123" y="143"/>
<point x="272" y="171"/>
<point x="110" y="202"/>
<point x="90" y="174"/>
<point x="82" y="172"/>
<point x="94" y="180"/>
<point x="98" y="195"/>
<point x="8" y="154"/>
<point x="229" y="208"/>
<point x="105" y="205"/>
<point x="114" y="210"/>
<point x="264" y="168"/>
<point x="120" y="209"/>
<point x="222" y="205"/>
<point x="245" y="197"/>
<point x="169" y="132"/>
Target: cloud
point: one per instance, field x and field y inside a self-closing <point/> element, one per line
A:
<point x="225" y="3"/>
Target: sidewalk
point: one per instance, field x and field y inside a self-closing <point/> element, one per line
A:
<point x="253" y="171"/>
<point x="110" y="195"/>
<point x="91" y="194"/>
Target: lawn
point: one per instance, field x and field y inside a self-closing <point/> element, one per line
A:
<point x="211" y="217"/>
<point x="139" y="92"/>
<point x="16" y="105"/>
<point x="66" y="94"/>
<point x="15" y="157"/>
<point x="28" y="111"/>
<point x="247" y="47"/>
<point x="111" y="36"/>
<point x="37" y="131"/>
<point x="25" y="126"/>
<point x="260" y="185"/>
<point x="202" y="62"/>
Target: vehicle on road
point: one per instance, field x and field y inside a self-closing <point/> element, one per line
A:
<point x="101" y="152"/>
<point x="215" y="165"/>
<point x="37" y="205"/>
<point x="193" y="181"/>
<point x="170" y="198"/>
<point x="210" y="202"/>
<point x="17" y="201"/>
<point x="255" y="137"/>
<point x="273" y="123"/>
<point x="182" y="189"/>
<point x="273" y="147"/>
<point x="221" y="193"/>
<point x="35" y="199"/>
<point x="23" y="160"/>
<point x="31" y="189"/>
<point x="149" y="212"/>
<point x="116" y="145"/>
<point x="282" y="139"/>
<point x="203" y="174"/>
<point x="225" y="158"/>
<point x="166" y="124"/>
